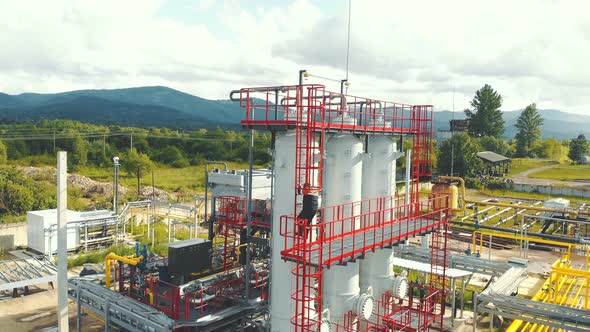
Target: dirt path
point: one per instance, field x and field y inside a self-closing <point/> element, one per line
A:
<point x="37" y="312"/>
<point x="523" y="178"/>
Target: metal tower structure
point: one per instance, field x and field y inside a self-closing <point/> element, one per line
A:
<point x="349" y="229"/>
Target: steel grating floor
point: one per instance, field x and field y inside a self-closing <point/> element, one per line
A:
<point x="24" y="272"/>
<point x="351" y="247"/>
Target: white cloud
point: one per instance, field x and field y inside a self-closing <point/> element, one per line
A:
<point x="408" y="51"/>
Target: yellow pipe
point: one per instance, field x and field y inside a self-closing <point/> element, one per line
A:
<point x="516" y="206"/>
<point x="518" y="237"/>
<point x="542" y="295"/>
<point x="538" y="296"/>
<point x="131" y="260"/>
<point x="151" y="295"/>
<point x="239" y="249"/>
<point x="562" y="272"/>
<point x="560" y="282"/>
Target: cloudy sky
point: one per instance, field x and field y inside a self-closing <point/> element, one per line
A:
<point x="408" y="51"/>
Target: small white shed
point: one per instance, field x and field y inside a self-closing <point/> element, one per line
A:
<point x="42" y="230"/>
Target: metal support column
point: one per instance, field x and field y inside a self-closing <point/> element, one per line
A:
<point x="453" y="299"/>
<point x="196" y="217"/>
<point x="249" y="218"/>
<point x="62" y="245"/>
<point x="106" y="316"/>
<point x="79" y="310"/>
<point x="490" y="253"/>
<point x="462" y="295"/>
<point x="474" y="311"/>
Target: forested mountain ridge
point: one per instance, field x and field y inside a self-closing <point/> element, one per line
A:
<point x="159" y="106"/>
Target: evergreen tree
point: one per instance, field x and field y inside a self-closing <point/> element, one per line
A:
<point x="578" y="148"/>
<point x="529" y="130"/>
<point x="485" y="117"/>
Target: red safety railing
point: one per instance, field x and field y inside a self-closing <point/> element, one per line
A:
<point x="357" y="227"/>
<point x="353" y="230"/>
<point x="422" y="146"/>
<point x="281" y="107"/>
<point x="414" y="314"/>
<point x="233" y="211"/>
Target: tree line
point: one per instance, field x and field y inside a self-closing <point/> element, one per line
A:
<point x="485" y="130"/>
<point x="96" y="145"/>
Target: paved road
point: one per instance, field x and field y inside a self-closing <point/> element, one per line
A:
<point x="523" y="177"/>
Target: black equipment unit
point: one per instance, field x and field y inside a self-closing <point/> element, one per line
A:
<point x="190" y="256"/>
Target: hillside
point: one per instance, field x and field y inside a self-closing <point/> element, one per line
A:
<point x="557" y="124"/>
<point x="159" y="106"/>
<point x="143" y="106"/>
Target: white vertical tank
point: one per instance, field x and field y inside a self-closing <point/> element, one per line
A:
<point x="342" y="184"/>
<point x="282" y="307"/>
<point x="376" y="269"/>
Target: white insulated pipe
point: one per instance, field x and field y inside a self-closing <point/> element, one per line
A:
<point x="376" y="269"/>
<point x="342" y="184"/>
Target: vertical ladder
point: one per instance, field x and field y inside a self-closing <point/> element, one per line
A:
<point x="438" y="266"/>
<point x="231" y="217"/>
<point x="309" y="163"/>
<point x="422" y="128"/>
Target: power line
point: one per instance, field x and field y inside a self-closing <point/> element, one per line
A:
<point x="56" y="137"/>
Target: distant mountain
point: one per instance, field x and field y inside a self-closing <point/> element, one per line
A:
<point x="106" y="112"/>
<point x="557" y="123"/>
<point x="155" y="106"/>
<point x="159" y="106"/>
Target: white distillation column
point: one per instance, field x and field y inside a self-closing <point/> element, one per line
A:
<point x="282" y="307"/>
<point x="376" y="269"/>
<point x="342" y="184"/>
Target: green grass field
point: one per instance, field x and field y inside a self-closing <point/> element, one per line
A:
<point x="519" y="165"/>
<point x="187" y="179"/>
<point x="564" y="172"/>
<point x="541" y="197"/>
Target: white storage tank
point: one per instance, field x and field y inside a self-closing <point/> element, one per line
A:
<point x="282" y="307"/>
<point x="42" y="230"/>
<point x="343" y="174"/>
<point x="376" y="269"/>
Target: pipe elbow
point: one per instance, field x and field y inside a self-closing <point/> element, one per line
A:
<point x="232" y="93"/>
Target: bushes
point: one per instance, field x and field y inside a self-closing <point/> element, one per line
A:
<point x="473" y="183"/>
<point x="98" y="257"/>
<point x="19" y="193"/>
<point x="487" y="183"/>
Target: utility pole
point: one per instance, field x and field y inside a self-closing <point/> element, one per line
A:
<point x="116" y="197"/>
<point x="131" y="143"/>
<point x="116" y="185"/>
<point x="62" y="245"/>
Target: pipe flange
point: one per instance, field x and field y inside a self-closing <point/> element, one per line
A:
<point x="325" y="325"/>
<point x="364" y="306"/>
<point x="400" y="288"/>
